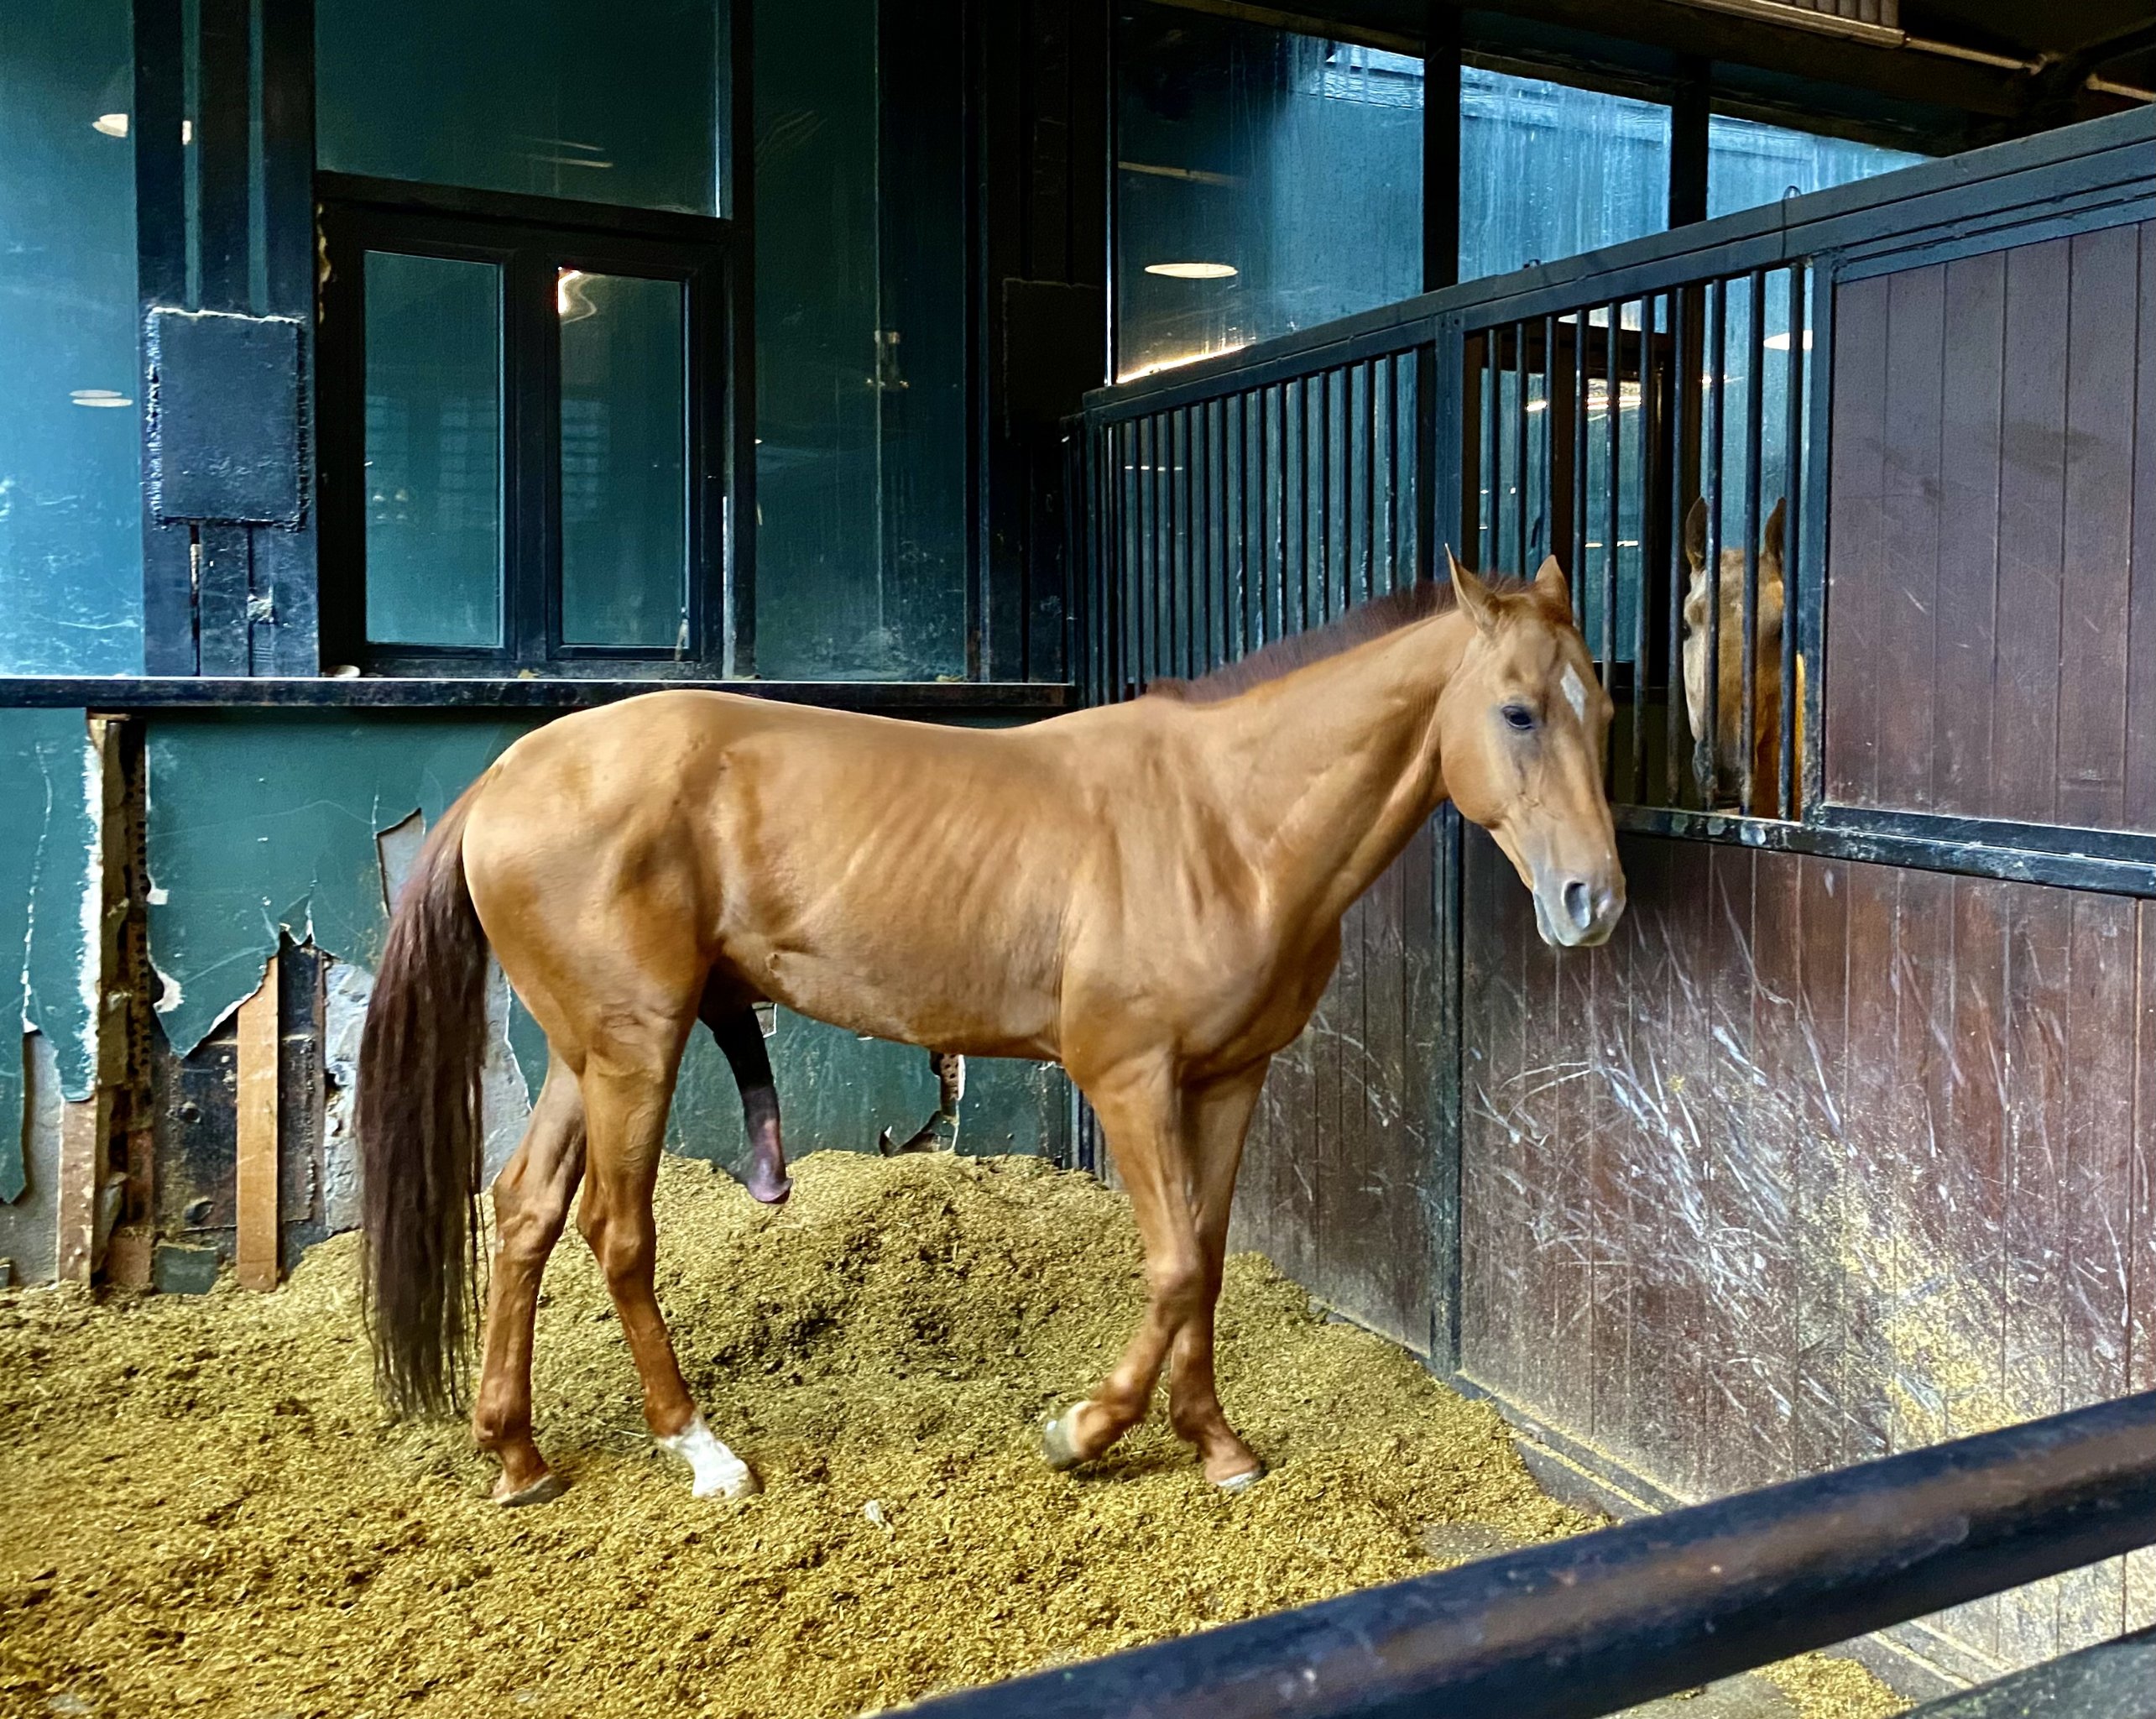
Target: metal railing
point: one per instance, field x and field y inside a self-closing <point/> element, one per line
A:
<point x="1590" y="1625"/>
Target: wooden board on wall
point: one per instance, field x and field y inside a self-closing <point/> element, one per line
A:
<point x="1992" y="605"/>
<point x="1867" y="1162"/>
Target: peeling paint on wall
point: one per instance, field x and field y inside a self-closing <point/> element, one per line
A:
<point x="48" y="845"/>
<point x="303" y="825"/>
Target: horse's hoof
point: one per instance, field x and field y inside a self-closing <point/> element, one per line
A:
<point x="544" y="1490"/>
<point x="719" y="1473"/>
<point x="1244" y="1482"/>
<point x="1056" y="1446"/>
<point x="770" y="1193"/>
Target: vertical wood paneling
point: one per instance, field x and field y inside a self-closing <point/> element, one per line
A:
<point x="1907" y="567"/>
<point x="2095" y="574"/>
<point x="1856" y="525"/>
<point x="1967" y="581"/>
<point x="1991" y="535"/>
<point x="1868" y="1167"/>
<point x="2032" y="531"/>
<point x="2141" y="616"/>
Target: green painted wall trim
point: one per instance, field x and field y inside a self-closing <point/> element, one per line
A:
<point x="48" y="904"/>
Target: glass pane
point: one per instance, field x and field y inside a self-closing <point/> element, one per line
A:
<point x="1749" y="164"/>
<point x="624" y="461"/>
<point x="71" y="435"/>
<point x="621" y="103"/>
<point x="861" y="289"/>
<point x="1549" y="172"/>
<point x="434" y="451"/>
<point x="1268" y="181"/>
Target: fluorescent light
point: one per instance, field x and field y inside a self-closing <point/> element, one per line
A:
<point x="1193" y="271"/>
<point x="1780" y="342"/>
<point x="113" y="125"/>
<point x="98" y="397"/>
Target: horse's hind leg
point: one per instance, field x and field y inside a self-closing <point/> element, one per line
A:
<point x="940" y="1132"/>
<point x="625" y="1100"/>
<point x="531" y="1203"/>
<point x="740" y="1035"/>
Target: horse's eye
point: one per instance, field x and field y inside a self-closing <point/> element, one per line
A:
<point x="1519" y="717"/>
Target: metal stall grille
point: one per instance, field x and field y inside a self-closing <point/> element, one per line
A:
<point x="1215" y="521"/>
<point x="1637" y="440"/>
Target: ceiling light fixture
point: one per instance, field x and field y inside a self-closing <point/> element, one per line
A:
<point x="98" y="397"/>
<point x="1193" y="271"/>
<point x="113" y="125"/>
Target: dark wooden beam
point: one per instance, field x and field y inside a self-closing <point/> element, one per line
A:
<point x="269" y="692"/>
<point x="1690" y="104"/>
<point x="1441" y="146"/>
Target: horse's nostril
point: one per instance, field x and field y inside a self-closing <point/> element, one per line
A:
<point x="1580" y="904"/>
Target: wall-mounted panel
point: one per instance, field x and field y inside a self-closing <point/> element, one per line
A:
<point x="1992" y="575"/>
<point x="1814" y="1162"/>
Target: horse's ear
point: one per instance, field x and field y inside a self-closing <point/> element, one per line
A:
<point x="1695" y="534"/>
<point x="1553" y="588"/>
<point x="1474" y="596"/>
<point x="1770" y="542"/>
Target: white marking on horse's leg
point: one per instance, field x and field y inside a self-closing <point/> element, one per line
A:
<point x="719" y="1473"/>
<point x="1575" y="692"/>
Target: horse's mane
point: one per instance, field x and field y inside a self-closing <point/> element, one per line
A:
<point x="1360" y="624"/>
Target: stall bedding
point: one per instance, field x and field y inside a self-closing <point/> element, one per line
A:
<point x="206" y="1510"/>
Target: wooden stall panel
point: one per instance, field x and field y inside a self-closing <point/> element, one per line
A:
<point x="1815" y="1162"/>
<point x="1341" y="1187"/>
<point x="1992" y="597"/>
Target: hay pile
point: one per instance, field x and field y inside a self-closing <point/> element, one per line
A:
<point x="205" y="1511"/>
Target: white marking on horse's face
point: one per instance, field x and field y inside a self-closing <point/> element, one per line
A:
<point x="1576" y="691"/>
<point x="719" y="1473"/>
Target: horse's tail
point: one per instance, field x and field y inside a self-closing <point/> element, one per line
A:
<point x="420" y="1057"/>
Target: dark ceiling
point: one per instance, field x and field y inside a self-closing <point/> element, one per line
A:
<point x="1912" y="84"/>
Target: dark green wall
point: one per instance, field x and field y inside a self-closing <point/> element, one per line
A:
<point x="264" y="825"/>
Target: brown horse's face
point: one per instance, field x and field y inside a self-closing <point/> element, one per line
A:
<point x="1523" y="730"/>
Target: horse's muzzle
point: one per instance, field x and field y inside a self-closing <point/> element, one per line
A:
<point x="1576" y="913"/>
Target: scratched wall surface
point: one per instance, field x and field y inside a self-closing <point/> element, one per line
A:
<point x="1341" y="1184"/>
<point x="1814" y="1163"/>
<point x="1993" y="587"/>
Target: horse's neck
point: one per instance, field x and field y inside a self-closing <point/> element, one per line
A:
<point x="1329" y="772"/>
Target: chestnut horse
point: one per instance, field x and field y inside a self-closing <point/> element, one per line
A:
<point x="1148" y="893"/>
<point x="1727" y="650"/>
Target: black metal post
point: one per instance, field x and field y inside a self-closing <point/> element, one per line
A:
<point x="1591" y="1625"/>
<point x="1687" y="143"/>
<point x="1441" y="155"/>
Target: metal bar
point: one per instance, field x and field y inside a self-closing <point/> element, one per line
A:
<point x="1520" y="445"/>
<point x="1710" y="742"/>
<point x="1589" y="1625"/>
<point x="1548" y="415"/>
<point x="1645" y="473"/>
<point x="1441" y="144"/>
<point x="1792" y="513"/>
<point x="1671" y="552"/>
<point x="1613" y="450"/>
<point x="1583" y="330"/>
<point x="1368" y="373"/>
<point x="1303" y="503"/>
<point x="129" y="692"/>
<point x="1754" y="424"/>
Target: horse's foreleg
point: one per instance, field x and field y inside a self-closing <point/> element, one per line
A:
<point x="625" y="1118"/>
<point x="1143" y="1122"/>
<point x="1220" y="1118"/>
<point x="740" y="1035"/>
<point x="531" y="1203"/>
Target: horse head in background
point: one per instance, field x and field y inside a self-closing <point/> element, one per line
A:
<point x="1719" y="768"/>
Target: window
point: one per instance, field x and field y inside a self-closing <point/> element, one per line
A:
<point x="526" y="410"/>
<point x="1265" y="181"/>
<point x="525" y="439"/>
<point x="622" y="104"/>
<point x="1548" y="171"/>
<point x="1749" y="164"/>
<point x="71" y="437"/>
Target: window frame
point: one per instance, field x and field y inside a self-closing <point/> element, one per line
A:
<point x="530" y="239"/>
